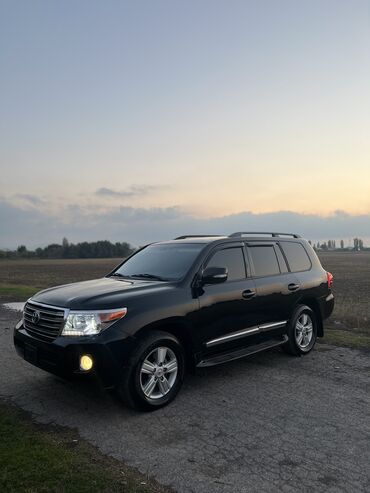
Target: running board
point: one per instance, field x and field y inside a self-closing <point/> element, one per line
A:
<point x="240" y="353"/>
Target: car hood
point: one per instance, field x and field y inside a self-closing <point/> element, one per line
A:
<point x="98" y="294"/>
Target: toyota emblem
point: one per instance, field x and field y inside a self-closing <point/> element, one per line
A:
<point x="36" y="317"/>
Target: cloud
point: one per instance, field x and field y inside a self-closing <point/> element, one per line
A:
<point x="132" y="191"/>
<point x="32" y="199"/>
<point x="21" y="226"/>
<point x="142" y="225"/>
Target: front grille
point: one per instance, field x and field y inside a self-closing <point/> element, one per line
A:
<point x="43" y="322"/>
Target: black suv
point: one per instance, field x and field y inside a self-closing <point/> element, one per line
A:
<point x="194" y="301"/>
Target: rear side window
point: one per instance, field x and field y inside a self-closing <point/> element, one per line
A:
<point x="281" y="259"/>
<point x="233" y="259"/>
<point x="296" y="255"/>
<point x="264" y="260"/>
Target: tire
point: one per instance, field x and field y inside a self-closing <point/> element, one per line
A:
<point x="147" y="384"/>
<point x="302" y="331"/>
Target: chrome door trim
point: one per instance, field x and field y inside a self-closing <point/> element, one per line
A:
<point x="273" y="325"/>
<point x="245" y="332"/>
<point x="232" y="336"/>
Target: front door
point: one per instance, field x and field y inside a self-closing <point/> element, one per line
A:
<point x="227" y="316"/>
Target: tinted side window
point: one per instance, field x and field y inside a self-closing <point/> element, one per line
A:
<point x="296" y="255"/>
<point x="281" y="259"/>
<point x="233" y="259"/>
<point x="264" y="260"/>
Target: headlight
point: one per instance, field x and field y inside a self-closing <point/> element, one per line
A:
<point x="81" y="323"/>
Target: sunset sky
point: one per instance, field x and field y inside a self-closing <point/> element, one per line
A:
<point x="136" y="121"/>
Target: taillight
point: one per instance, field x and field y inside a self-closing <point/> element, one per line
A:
<point x="330" y="279"/>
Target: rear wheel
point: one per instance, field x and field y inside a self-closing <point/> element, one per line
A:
<point x="302" y="331"/>
<point x="155" y="372"/>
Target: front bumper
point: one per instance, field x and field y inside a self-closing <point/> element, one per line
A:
<point x="62" y="356"/>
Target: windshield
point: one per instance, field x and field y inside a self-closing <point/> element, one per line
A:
<point x="166" y="262"/>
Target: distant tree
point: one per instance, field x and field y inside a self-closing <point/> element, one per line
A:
<point x="355" y="244"/>
<point x="324" y="246"/>
<point x="97" y="249"/>
<point x="39" y="252"/>
<point x="22" y="251"/>
<point x="360" y="244"/>
<point x="123" y="249"/>
<point x="342" y="244"/>
<point x="53" y="251"/>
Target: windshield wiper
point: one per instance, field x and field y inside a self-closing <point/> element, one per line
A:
<point x="117" y="274"/>
<point x="149" y="276"/>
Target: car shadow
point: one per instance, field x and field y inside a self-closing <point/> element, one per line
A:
<point x="87" y="396"/>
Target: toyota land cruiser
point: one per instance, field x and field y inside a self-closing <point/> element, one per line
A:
<point x="194" y="301"/>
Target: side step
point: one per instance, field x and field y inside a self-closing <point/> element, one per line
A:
<point x="218" y="359"/>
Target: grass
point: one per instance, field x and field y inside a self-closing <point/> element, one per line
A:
<point x="18" y="291"/>
<point x="346" y="338"/>
<point x="37" y="459"/>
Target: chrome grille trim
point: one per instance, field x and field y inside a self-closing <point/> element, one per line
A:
<point x="51" y="321"/>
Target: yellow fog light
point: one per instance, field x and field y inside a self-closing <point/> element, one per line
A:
<point x="86" y="362"/>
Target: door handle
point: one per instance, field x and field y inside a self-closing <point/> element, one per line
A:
<point x="248" y="294"/>
<point x="293" y="287"/>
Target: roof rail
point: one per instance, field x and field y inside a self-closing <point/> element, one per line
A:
<point x="261" y="233"/>
<point x="196" y="236"/>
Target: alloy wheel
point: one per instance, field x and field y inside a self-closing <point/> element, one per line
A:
<point x="304" y="330"/>
<point x="158" y="372"/>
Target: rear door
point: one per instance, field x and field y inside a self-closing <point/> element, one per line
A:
<point x="227" y="317"/>
<point x="300" y="266"/>
<point x="275" y="292"/>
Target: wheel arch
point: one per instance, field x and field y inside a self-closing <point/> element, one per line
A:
<point x="177" y="327"/>
<point x="315" y="307"/>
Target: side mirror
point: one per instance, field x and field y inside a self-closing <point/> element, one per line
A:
<point x="214" y="275"/>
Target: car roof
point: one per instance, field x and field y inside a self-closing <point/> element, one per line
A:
<point x="238" y="236"/>
<point x="200" y="239"/>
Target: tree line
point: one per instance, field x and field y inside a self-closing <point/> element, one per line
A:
<point x="358" y="245"/>
<point x="85" y="249"/>
<point x="107" y="249"/>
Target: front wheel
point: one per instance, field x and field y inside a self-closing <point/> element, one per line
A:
<point x="155" y="372"/>
<point x="302" y="331"/>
